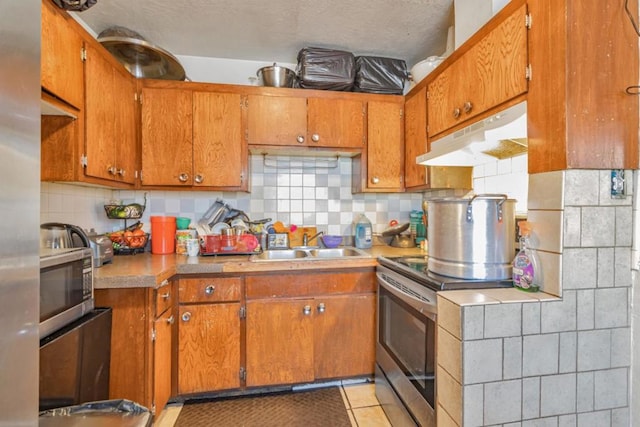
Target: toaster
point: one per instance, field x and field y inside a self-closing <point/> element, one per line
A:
<point x="102" y="249"/>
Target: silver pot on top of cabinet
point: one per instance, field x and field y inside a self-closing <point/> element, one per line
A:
<point x="472" y="238"/>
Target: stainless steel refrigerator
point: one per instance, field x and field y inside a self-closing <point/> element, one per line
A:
<point x="19" y="210"/>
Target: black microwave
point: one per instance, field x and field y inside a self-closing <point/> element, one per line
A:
<point x="66" y="287"/>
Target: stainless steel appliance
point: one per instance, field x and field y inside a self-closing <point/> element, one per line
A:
<point x="102" y="249"/>
<point x="57" y="235"/>
<point x="66" y="287"/>
<point x="75" y="362"/>
<point x="20" y="207"/>
<point x="405" y="377"/>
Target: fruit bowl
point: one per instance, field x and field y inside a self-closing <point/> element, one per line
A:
<point x="132" y="211"/>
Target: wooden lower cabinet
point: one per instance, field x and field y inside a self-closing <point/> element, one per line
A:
<point x="141" y="343"/>
<point x="279" y="341"/>
<point x="344" y="335"/>
<point x="209" y="334"/>
<point x="209" y="347"/>
<point x="308" y="327"/>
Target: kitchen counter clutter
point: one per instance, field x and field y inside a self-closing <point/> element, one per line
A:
<point x="147" y="270"/>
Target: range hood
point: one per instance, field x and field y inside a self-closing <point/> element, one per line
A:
<point x="499" y="136"/>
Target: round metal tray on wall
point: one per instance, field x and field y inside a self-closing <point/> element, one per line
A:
<point x="141" y="58"/>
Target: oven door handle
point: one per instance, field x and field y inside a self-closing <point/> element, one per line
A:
<point x="428" y="307"/>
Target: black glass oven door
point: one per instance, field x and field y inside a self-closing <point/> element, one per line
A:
<point x="409" y="338"/>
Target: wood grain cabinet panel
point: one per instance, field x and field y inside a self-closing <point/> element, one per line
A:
<point x="212" y="289"/>
<point x="209" y="347"/>
<point x="344" y="331"/>
<point x="491" y="72"/>
<point x="61" y="67"/>
<point x="110" y="120"/>
<point x="167" y="131"/>
<point x="305" y="122"/>
<point x="381" y="166"/>
<point x="415" y="139"/>
<point x="279" y="342"/>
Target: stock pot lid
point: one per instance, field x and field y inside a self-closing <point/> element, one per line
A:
<point x="395" y="230"/>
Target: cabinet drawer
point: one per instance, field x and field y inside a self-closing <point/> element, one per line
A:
<point x="302" y="284"/>
<point x="164" y="298"/>
<point x="209" y="289"/>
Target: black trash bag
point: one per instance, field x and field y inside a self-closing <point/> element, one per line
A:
<point x="75" y="5"/>
<point x="328" y="69"/>
<point x="380" y="75"/>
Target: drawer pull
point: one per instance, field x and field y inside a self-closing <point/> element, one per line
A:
<point x="456" y="113"/>
<point x="165" y="296"/>
<point x="321" y="308"/>
<point x="171" y="319"/>
<point x="209" y="290"/>
<point x="186" y="316"/>
<point x="306" y="310"/>
<point x="468" y="106"/>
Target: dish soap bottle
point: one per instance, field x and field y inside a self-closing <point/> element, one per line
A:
<point x="526" y="268"/>
<point x="363" y="234"/>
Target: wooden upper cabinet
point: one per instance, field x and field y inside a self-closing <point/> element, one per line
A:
<point x="219" y="149"/>
<point x="415" y="139"/>
<point x="385" y="147"/>
<point x="61" y="56"/>
<point x="276" y="120"/>
<point x="167" y="131"/>
<point x="491" y="72"/>
<point x="584" y="54"/>
<point x="110" y="141"/>
<point x="305" y="121"/>
<point x="336" y="123"/>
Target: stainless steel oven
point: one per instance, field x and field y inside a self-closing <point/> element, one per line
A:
<point x="66" y="287"/>
<point x="406" y="349"/>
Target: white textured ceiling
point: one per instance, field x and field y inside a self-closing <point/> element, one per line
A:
<point x="276" y="30"/>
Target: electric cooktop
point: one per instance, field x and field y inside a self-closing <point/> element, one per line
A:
<point x="416" y="268"/>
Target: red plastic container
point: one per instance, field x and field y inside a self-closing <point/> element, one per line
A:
<point x="163" y="234"/>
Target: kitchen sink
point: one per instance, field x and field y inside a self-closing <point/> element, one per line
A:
<point x="308" y="254"/>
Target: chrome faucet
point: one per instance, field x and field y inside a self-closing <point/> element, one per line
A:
<point x="306" y="239"/>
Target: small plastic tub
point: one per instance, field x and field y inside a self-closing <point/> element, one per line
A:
<point x="182" y="223"/>
<point x="331" y="241"/>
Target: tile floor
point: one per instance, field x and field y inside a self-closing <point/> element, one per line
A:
<point x="359" y="399"/>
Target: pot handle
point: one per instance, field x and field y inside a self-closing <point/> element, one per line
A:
<point x="501" y="197"/>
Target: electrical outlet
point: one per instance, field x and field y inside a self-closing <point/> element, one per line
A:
<point x="618" y="186"/>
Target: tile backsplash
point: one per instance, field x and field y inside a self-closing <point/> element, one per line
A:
<point x="293" y="190"/>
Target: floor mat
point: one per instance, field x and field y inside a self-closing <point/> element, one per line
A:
<point x="319" y="407"/>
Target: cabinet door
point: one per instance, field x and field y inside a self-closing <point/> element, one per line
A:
<point x="167" y="150"/>
<point x="415" y="138"/>
<point x="279" y="342"/>
<point x="100" y="115"/>
<point x="162" y="361"/>
<point x="344" y="335"/>
<point x="61" y="56"/>
<point x="493" y="71"/>
<point x="385" y="146"/>
<point x="276" y="120"/>
<point x="335" y="123"/>
<point x="125" y="141"/>
<point x="208" y="347"/>
<point x="219" y="150"/>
